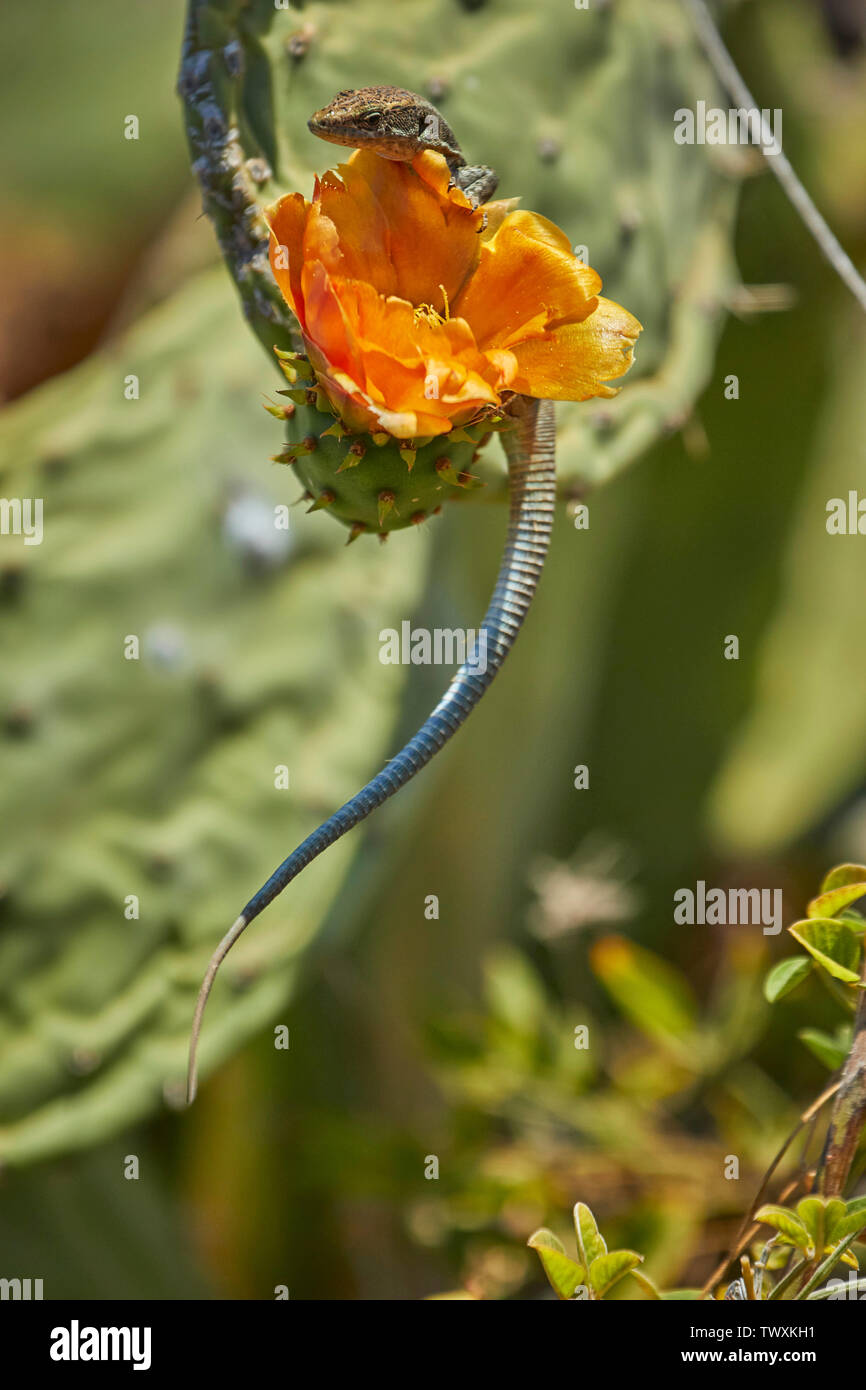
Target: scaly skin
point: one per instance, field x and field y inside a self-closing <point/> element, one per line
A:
<point x="398" y="124"/>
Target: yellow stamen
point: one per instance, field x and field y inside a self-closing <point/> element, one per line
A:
<point x="430" y="314"/>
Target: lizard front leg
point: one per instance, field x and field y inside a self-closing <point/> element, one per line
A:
<point x="477" y="181"/>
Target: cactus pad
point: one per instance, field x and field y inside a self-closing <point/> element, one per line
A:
<point x="574" y="109"/>
<point x="159" y="772"/>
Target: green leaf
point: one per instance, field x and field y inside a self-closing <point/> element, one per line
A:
<point x="608" y="1270"/>
<point x="787" y="1224"/>
<point x="656" y="998"/>
<point x="831" y="904"/>
<point x="826" y="1266"/>
<point x="590" y="1242"/>
<point x="834" y="1215"/>
<point x="834" y="1218"/>
<point x="842" y="876"/>
<point x="834" y="946"/>
<point x="681" y="1295"/>
<point x="818" y="1215"/>
<point x="830" y="1050"/>
<point x="545" y="1239"/>
<point x="854" y="1220"/>
<point x="785" y="976"/>
<point x="514" y="992"/>
<point x="565" y="1275"/>
<point x="646" y="1283"/>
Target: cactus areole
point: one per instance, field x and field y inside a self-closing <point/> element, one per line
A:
<point x="429" y="318"/>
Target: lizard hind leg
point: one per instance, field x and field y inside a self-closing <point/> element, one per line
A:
<point x="477" y="181"/>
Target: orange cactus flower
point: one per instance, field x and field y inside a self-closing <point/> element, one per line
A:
<point x="418" y="310"/>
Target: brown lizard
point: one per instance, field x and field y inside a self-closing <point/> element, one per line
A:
<point x="398" y="125"/>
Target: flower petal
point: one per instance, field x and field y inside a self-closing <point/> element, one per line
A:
<point x="417" y="378"/>
<point x="495" y="214"/>
<point x="286" y="220"/>
<point x="412" y="363"/>
<point x="433" y="170"/>
<point x="383" y="243"/>
<point x="526" y="269"/>
<point x="431" y="238"/>
<point x="348" y="232"/>
<point x="572" y="362"/>
<point x="327" y="323"/>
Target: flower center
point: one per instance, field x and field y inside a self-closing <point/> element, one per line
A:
<point x="430" y="314"/>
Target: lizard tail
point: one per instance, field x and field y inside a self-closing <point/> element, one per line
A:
<point x="530" y="449"/>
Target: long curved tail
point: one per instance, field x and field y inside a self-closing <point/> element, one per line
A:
<point x="530" y="449"/>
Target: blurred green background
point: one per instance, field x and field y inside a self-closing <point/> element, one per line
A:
<point x="413" y="1037"/>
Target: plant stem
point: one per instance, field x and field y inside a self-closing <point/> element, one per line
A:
<point x="859" y="1287"/>
<point x="838" y="992"/>
<point x="225" y="159"/>
<point x="748" y="1228"/>
<point x="788" y="1279"/>
<point x="848" y="1116"/>
<point x="826" y="1265"/>
<point x="728" y="74"/>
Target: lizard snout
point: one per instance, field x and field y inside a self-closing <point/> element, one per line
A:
<point x="329" y="125"/>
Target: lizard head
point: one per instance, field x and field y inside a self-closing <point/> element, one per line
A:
<point x="395" y="122"/>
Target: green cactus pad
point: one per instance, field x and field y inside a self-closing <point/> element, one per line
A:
<point x="160" y="773"/>
<point x="574" y="108"/>
<point x="155" y="777"/>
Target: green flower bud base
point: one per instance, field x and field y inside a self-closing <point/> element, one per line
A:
<point x="373" y="483"/>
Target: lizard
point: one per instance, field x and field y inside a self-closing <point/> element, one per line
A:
<point x="397" y="124"/>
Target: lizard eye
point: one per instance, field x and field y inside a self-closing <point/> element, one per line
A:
<point x="371" y="118"/>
